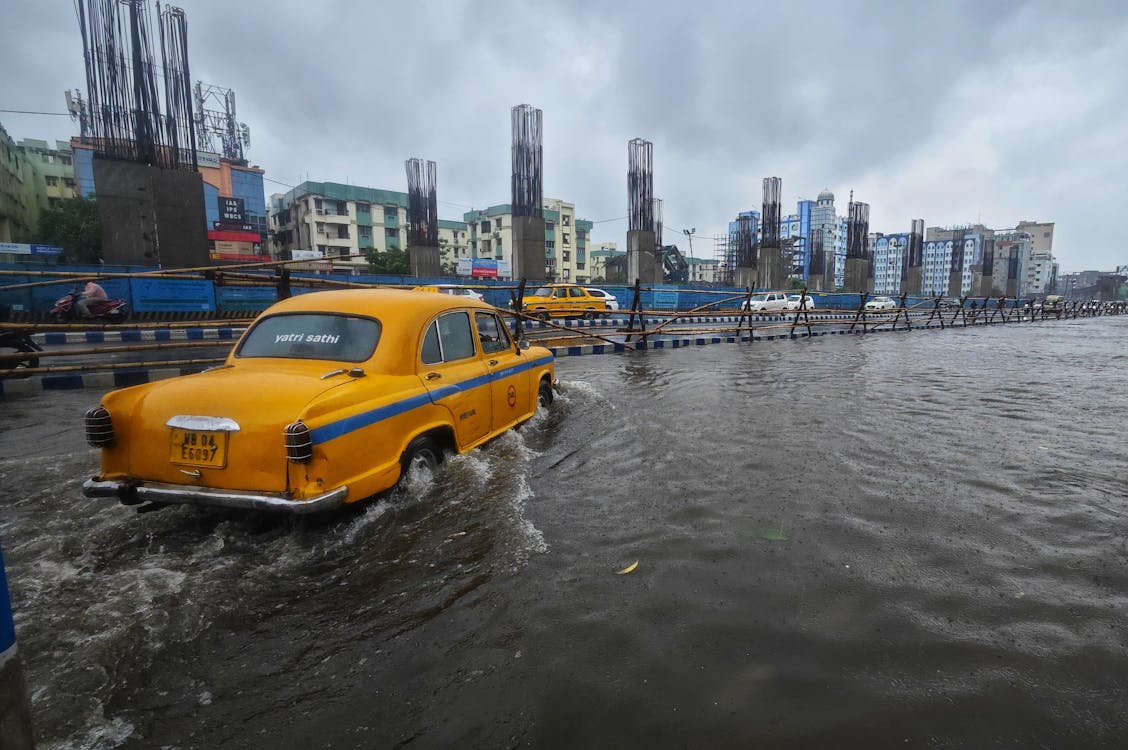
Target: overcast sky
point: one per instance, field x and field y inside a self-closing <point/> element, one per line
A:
<point x="954" y="112"/>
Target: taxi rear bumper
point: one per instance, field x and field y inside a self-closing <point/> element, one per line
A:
<point x="132" y="493"/>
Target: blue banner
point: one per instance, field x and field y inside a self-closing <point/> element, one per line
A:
<point x="172" y="295"/>
<point x="250" y="298"/>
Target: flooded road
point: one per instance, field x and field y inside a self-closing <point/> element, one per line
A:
<point x="917" y="539"/>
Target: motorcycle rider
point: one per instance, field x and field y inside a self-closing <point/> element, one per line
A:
<point x="91" y="293"/>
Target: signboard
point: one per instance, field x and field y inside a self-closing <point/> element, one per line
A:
<point x="313" y="255"/>
<point x="465" y="266"/>
<point x="484" y="268"/>
<point x="231" y="211"/>
<point x="504" y="268"/>
<point x="17" y="248"/>
<point x="203" y="158"/>
<point x="171" y="295"/>
<point x="228" y="226"/>
<point x="245" y="298"/>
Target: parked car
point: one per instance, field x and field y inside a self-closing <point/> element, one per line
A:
<point x="563" y="300"/>
<point x="453" y="289"/>
<point x="881" y="303"/>
<point x="610" y="299"/>
<point x="765" y="301"/>
<point x="328" y="398"/>
<point x="794" y="301"/>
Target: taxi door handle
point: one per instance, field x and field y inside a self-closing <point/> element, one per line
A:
<point x="433" y="376"/>
<point x="492" y="362"/>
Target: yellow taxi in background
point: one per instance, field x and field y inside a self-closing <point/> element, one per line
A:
<point x="563" y="300"/>
<point x="328" y="398"/>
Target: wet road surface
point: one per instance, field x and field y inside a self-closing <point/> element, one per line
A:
<point x="915" y="539"/>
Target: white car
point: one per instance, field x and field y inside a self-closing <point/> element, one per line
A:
<point x="793" y="301"/>
<point x="881" y="303"/>
<point x="460" y="291"/>
<point x="608" y="297"/>
<point x="765" y="301"/>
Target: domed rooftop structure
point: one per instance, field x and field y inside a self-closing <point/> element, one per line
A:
<point x="826" y="195"/>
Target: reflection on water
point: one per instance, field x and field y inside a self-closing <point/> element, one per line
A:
<point x="911" y="538"/>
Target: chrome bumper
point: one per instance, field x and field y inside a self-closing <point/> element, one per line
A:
<point x="155" y="492"/>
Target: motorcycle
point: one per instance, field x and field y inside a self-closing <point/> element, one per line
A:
<point x="16" y="341"/>
<point x="108" y="310"/>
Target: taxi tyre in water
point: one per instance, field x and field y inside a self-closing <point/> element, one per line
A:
<point x="544" y="394"/>
<point x="421" y="454"/>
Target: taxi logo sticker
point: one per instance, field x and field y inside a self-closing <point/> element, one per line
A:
<point x="511" y="396"/>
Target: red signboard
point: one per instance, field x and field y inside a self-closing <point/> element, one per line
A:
<point x="231" y="235"/>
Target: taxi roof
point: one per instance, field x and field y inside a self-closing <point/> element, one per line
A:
<point x="376" y="302"/>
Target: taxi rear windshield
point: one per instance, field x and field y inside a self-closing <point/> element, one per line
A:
<point x="341" y="338"/>
<point x="544" y="291"/>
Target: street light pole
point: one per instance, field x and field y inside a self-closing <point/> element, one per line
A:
<point x="689" y="234"/>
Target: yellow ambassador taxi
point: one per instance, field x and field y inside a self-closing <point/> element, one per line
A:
<point x="561" y="300"/>
<point x="328" y="398"/>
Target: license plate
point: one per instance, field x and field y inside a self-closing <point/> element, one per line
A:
<point x="198" y="448"/>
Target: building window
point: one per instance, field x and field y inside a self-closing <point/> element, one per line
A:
<point x="65" y="159"/>
<point x="566" y="220"/>
<point x="567" y="256"/>
<point x="391" y="234"/>
<point x="68" y="181"/>
<point x="566" y="238"/>
<point x="485" y="226"/>
<point x="52" y="181"/>
<point x="320" y="228"/>
<point x="390" y="214"/>
<point x="549" y="226"/>
<point x="550" y="244"/>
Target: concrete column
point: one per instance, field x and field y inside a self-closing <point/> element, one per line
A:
<point x="986" y="285"/>
<point x="955" y="284"/>
<point x="1012" y="288"/>
<point x="15" y="713"/>
<point x="913" y="281"/>
<point x="425" y="260"/>
<point x="528" y="248"/>
<point x="769" y="268"/>
<point x="642" y="257"/>
<point x="857" y="276"/>
<point x="745" y="277"/>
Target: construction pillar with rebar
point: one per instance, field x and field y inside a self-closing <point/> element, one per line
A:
<point x="987" y="275"/>
<point x="745" y="251"/>
<point x="1012" y="271"/>
<point x="423" y="218"/>
<point x="955" y="272"/>
<point x="527" y="193"/>
<point x="912" y="278"/>
<point x="642" y="251"/>
<point x="820" y="277"/>
<point x="859" y="264"/>
<point x="770" y="273"/>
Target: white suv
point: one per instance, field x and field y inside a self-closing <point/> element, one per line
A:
<point x="765" y="301"/>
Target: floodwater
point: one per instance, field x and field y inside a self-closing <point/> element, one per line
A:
<point x="913" y="539"/>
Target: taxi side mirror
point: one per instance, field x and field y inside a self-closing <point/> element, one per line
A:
<point x="523" y="344"/>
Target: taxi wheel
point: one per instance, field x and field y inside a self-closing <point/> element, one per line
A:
<point x="421" y="456"/>
<point x="541" y="316"/>
<point x="544" y="394"/>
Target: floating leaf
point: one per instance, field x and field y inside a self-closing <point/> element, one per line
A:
<point x="630" y="568"/>
<point x="774" y="535"/>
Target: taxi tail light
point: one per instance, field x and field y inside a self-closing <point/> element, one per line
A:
<point x="299" y="444"/>
<point x="99" y="427"/>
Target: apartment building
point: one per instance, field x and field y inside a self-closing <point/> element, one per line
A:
<point x="600" y="256"/>
<point x="331" y="220"/>
<point x="565" y="239"/>
<point x="55" y="167"/>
